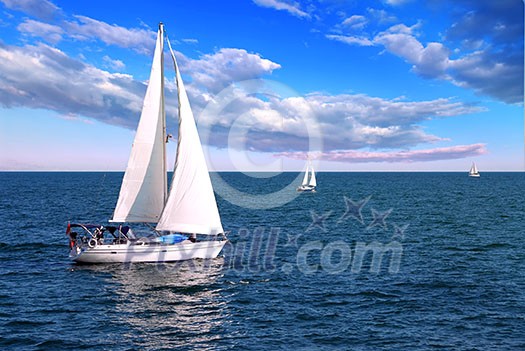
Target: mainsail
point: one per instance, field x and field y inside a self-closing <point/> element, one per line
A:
<point x="191" y="205"/>
<point x="474" y="169"/>
<point x="144" y="187"/>
<point x="305" y="179"/>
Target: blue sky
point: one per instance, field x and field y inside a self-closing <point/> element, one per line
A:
<point x="359" y="85"/>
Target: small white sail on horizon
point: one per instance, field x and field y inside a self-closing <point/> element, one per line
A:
<point x="474" y="171"/>
<point x="309" y="181"/>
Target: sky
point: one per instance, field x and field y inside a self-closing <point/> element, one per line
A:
<point x="391" y="85"/>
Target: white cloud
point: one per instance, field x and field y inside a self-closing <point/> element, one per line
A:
<point x="350" y="40"/>
<point x="215" y="71"/>
<point x="44" y="77"/>
<point x="114" y="64"/>
<point x="291" y="7"/>
<point x="140" y="40"/>
<point x="49" y="32"/>
<point x="43" y="9"/>
<point x="396" y="2"/>
<point x="430" y="61"/>
<point x="489" y="59"/>
<point x="355" y="22"/>
<point x="87" y="29"/>
<point x="381" y="16"/>
<point x="345" y="121"/>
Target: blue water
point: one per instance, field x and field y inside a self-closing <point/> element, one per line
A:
<point x="451" y="276"/>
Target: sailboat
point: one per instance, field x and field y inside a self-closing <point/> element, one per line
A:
<point x="309" y="181"/>
<point x="473" y="171"/>
<point x="177" y="218"/>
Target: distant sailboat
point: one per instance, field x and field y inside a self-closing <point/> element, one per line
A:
<point x="473" y="171"/>
<point x="309" y="181"/>
<point x="188" y="209"/>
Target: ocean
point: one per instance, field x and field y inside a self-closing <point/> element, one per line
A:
<point x="371" y="261"/>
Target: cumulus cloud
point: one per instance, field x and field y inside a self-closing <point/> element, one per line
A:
<point x="85" y="28"/>
<point x="381" y="16"/>
<point x="351" y="40"/>
<point x="355" y="22"/>
<point x="113" y="64"/>
<point x="396" y="2"/>
<point x="343" y="121"/>
<point x="44" y="77"/>
<point x="435" y="154"/>
<point x="49" y="32"/>
<point x="430" y="61"/>
<point x="41" y="76"/>
<point x="491" y="59"/>
<point x="43" y="9"/>
<point x="493" y="63"/>
<point x="213" y="72"/>
<point x="291" y="7"/>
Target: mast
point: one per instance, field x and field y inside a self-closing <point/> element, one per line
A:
<point x="163" y="113"/>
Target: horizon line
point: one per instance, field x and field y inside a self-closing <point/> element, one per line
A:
<point x="253" y="171"/>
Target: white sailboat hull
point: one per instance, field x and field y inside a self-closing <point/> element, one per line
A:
<point x="474" y="175"/>
<point x="133" y="252"/>
<point x="306" y="188"/>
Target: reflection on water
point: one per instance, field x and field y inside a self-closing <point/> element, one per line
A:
<point x="167" y="305"/>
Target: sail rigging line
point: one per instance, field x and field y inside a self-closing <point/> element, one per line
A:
<point x="152" y="227"/>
